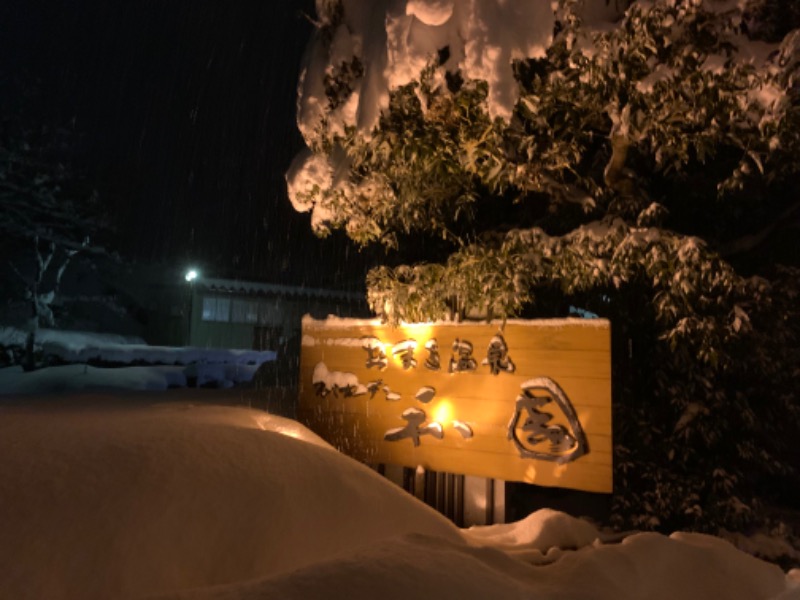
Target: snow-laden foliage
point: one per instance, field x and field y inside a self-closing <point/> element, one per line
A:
<point x="649" y="153"/>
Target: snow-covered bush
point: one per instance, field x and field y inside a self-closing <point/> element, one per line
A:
<point x="639" y="166"/>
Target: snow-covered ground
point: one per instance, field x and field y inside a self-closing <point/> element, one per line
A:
<point x="167" y="367"/>
<point x="130" y="494"/>
<point x="125" y="496"/>
<point x="70" y="378"/>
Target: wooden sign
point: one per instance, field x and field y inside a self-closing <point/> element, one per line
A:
<point x="528" y="401"/>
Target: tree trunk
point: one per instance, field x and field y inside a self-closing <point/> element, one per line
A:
<point x="29" y="358"/>
<point x="616" y="176"/>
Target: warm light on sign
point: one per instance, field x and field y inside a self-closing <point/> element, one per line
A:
<point x="528" y="401"/>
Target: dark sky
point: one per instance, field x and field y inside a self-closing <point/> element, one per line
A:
<point x="187" y="107"/>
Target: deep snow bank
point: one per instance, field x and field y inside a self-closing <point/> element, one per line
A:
<point x="651" y="566"/>
<point x="122" y="500"/>
<point x="105" y="498"/>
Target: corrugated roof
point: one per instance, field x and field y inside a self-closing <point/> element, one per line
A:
<point x="233" y="286"/>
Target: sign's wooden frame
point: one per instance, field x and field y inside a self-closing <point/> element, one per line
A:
<point x="471" y="422"/>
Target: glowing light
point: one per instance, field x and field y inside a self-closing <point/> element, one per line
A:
<point x="422" y="332"/>
<point x="191" y="275"/>
<point x="443" y="413"/>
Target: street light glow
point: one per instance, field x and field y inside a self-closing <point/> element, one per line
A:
<point x="191" y="275"/>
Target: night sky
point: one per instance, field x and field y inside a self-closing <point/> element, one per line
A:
<point x="187" y="109"/>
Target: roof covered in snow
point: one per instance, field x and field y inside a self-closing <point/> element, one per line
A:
<point x="253" y="288"/>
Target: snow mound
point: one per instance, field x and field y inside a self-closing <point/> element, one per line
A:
<point x="652" y="566"/>
<point x="413" y="566"/>
<point x="85" y="346"/>
<point x="540" y="531"/>
<point x="165" y="355"/>
<point x="105" y="498"/>
<point x="119" y="500"/>
<point x="68" y="339"/>
<point x="71" y="378"/>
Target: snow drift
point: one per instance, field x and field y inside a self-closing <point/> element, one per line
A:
<point x="105" y="498"/>
<point x="124" y="500"/>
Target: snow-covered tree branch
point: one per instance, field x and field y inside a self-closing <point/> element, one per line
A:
<point x="49" y="215"/>
<point x="602" y="155"/>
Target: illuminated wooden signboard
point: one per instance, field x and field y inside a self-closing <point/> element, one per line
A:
<point x="525" y="401"/>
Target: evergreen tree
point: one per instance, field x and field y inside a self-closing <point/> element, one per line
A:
<point x="642" y="173"/>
